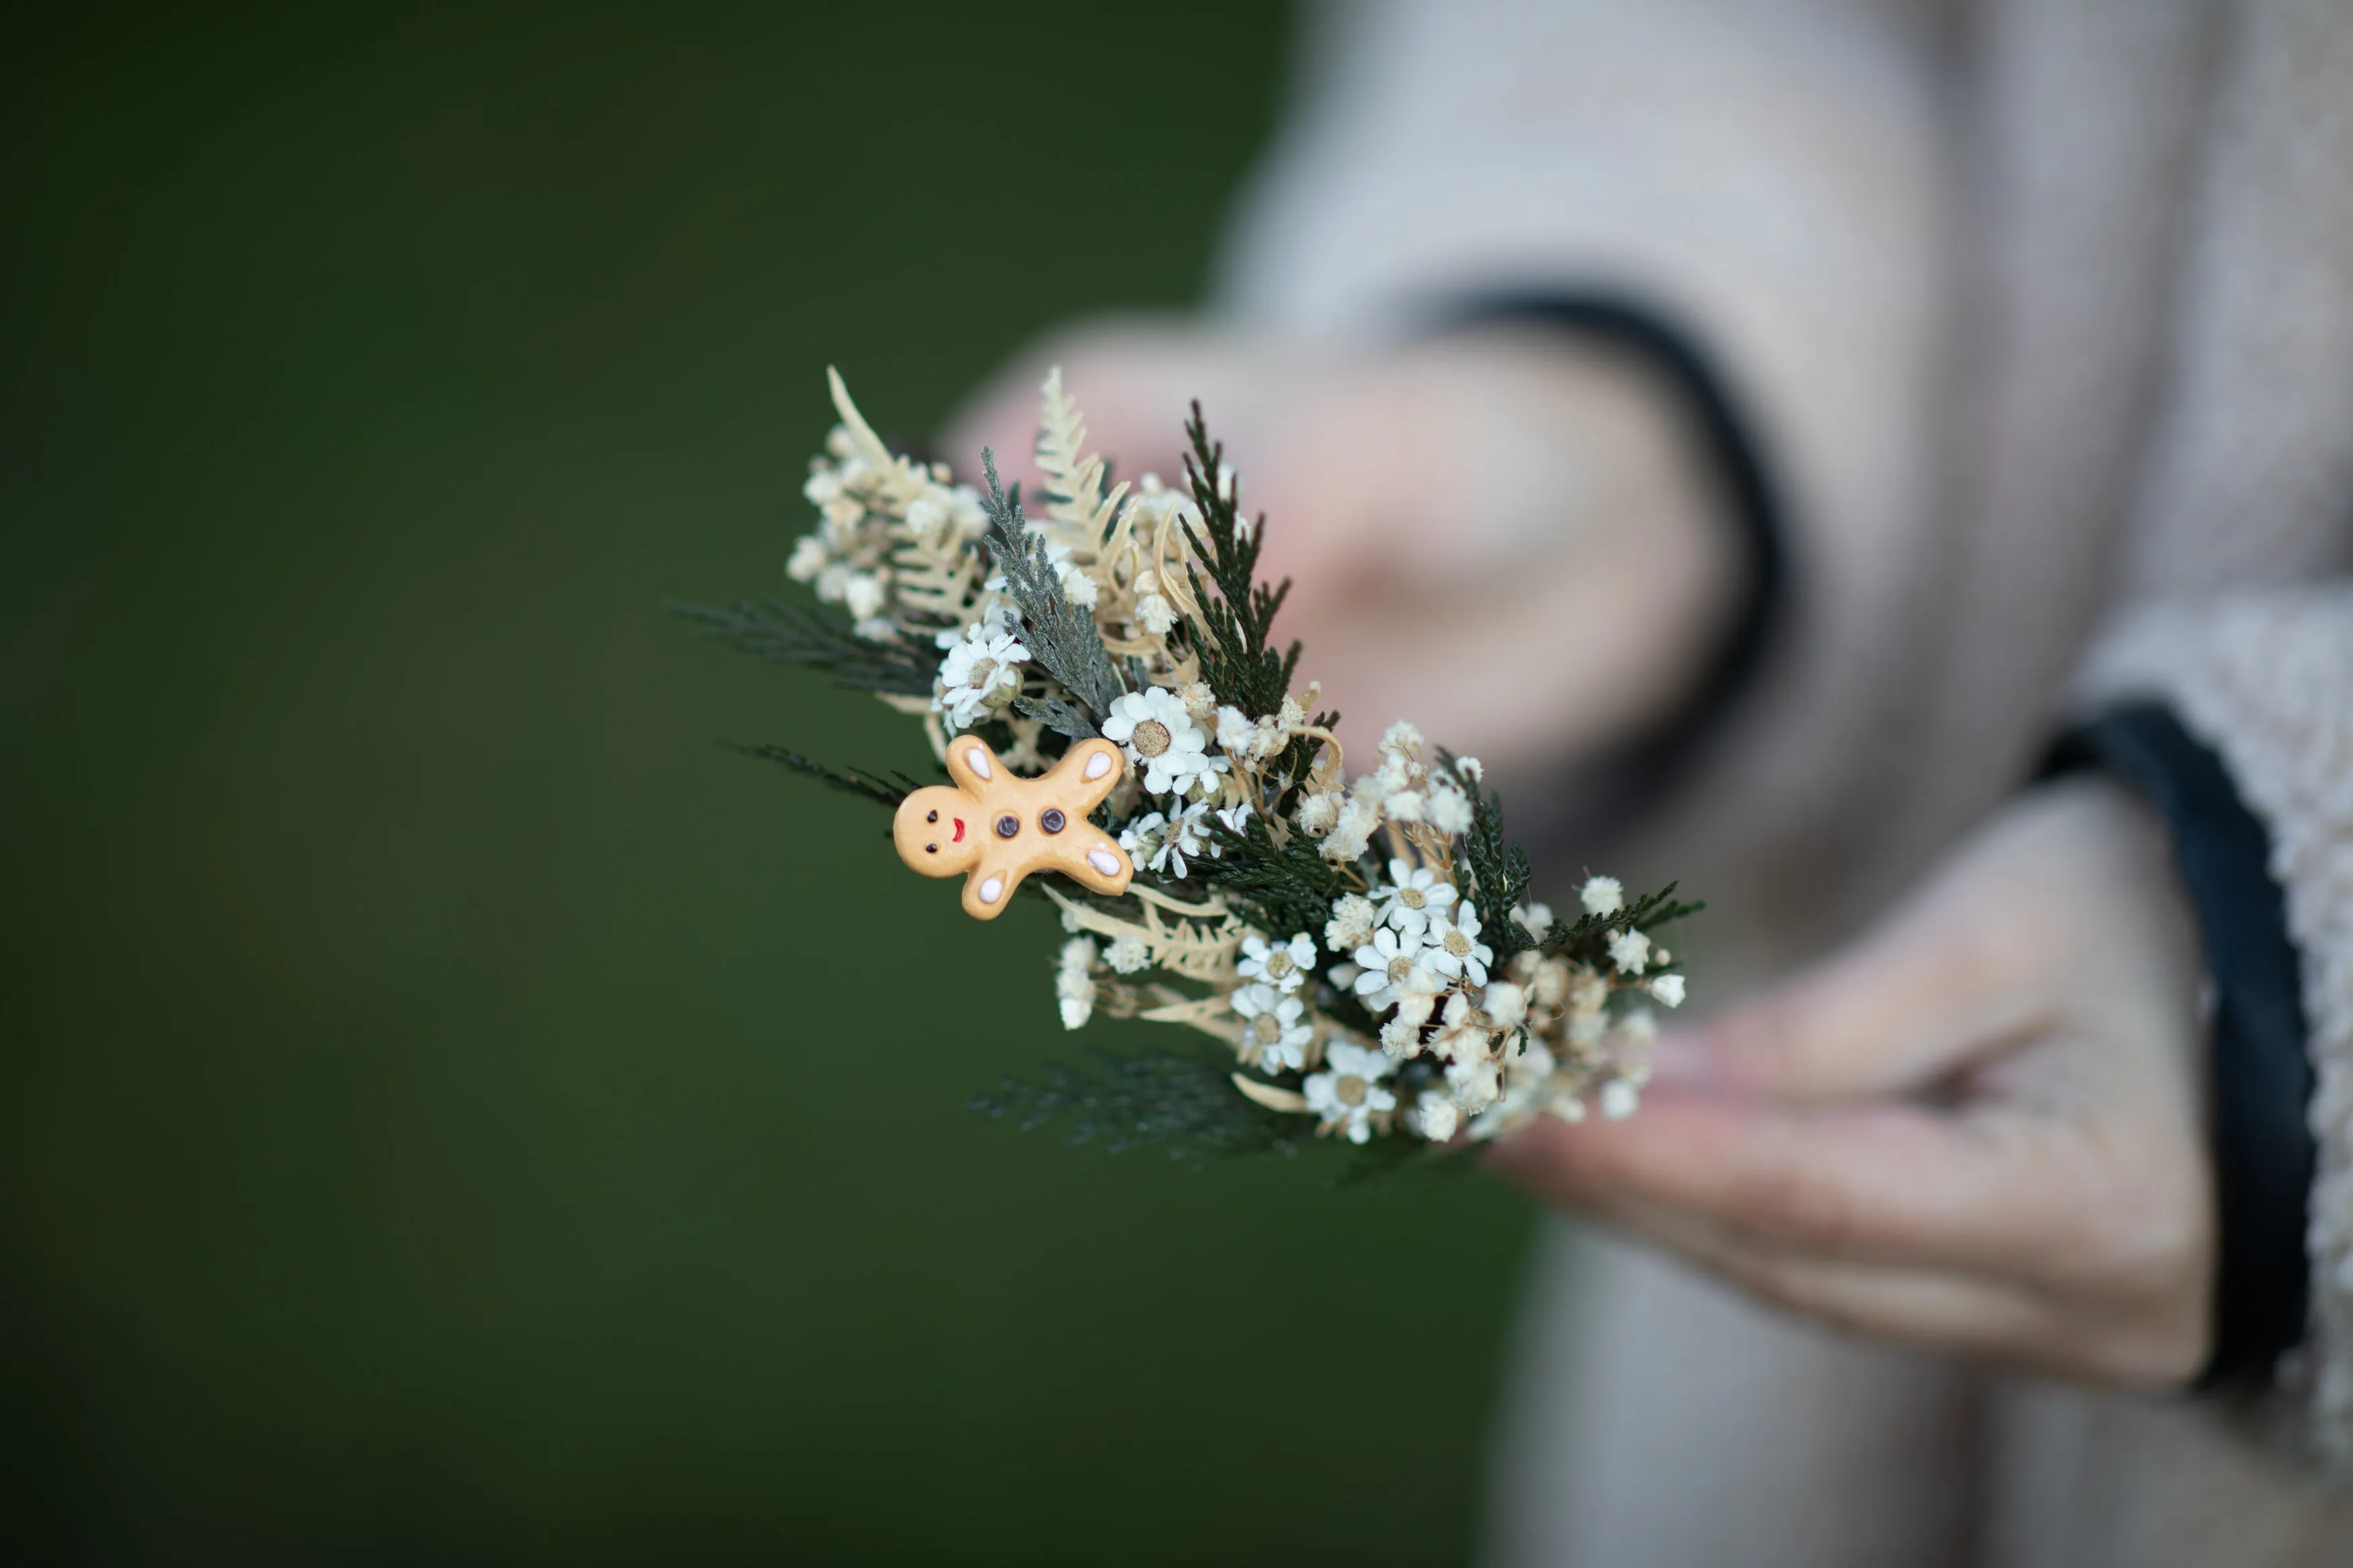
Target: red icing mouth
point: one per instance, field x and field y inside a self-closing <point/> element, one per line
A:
<point x="959" y="832"/>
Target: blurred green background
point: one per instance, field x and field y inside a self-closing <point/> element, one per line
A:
<point x="452" y="1108"/>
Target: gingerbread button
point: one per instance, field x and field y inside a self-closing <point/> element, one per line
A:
<point x="981" y="826"/>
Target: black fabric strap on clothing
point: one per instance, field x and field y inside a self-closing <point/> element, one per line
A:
<point x="1743" y="479"/>
<point x="2260" y="1072"/>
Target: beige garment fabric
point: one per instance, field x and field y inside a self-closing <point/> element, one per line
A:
<point x="2044" y="309"/>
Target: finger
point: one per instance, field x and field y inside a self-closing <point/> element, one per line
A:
<point x="1882" y="1184"/>
<point x="1927" y="993"/>
<point x="1937" y="1308"/>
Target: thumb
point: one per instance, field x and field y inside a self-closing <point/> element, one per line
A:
<point x="1906" y="1006"/>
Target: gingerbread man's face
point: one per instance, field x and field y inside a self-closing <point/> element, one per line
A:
<point x="994" y="829"/>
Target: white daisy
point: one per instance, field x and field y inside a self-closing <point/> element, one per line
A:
<point x="1273" y="1037"/>
<point x="1160" y="736"/>
<point x="1164" y="842"/>
<point x="1347" y="1094"/>
<point x="1388" y="960"/>
<point x="1282" y="966"/>
<point x="978" y="675"/>
<point x="1455" y="947"/>
<point x="1413" y="896"/>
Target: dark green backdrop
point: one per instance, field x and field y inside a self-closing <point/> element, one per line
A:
<point x="452" y="1108"/>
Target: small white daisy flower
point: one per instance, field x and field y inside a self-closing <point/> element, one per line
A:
<point x="1127" y="954"/>
<point x="1143" y="837"/>
<point x="1455" y="947"/>
<point x="1667" y="988"/>
<point x="1347" y="1094"/>
<point x="1629" y="950"/>
<point x="1413" y="896"/>
<point x="1603" y="896"/>
<point x="978" y="675"/>
<point x="1160" y="736"/>
<point x="1273" y="1037"/>
<point x="1351" y="925"/>
<point x="1231" y="818"/>
<point x="1436" y="1115"/>
<point x="1389" y="962"/>
<point x="1283" y="965"/>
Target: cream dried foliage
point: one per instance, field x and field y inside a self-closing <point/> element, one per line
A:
<point x="937" y="575"/>
<point x="1186" y="946"/>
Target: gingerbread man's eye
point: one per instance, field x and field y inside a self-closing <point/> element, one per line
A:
<point x="1007" y="825"/>
<point x="931" y="849"/>
<point x="1052" y="820"/>
<point x="930" y="816"/>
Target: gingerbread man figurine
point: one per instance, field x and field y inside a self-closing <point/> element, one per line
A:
<point x="997" y="828"/>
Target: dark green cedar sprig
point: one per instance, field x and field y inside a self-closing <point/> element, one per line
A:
<point x="1237" y="661"/>
<point x="1282" y="888"/>
<point x="849" y="781"/>
<point x="1587" y="940"/>
<point x="814" y="634"/>
<point x="1182" y="1101"/>
<point x="1495" y="870"/>
<point x="1060" y="635"/>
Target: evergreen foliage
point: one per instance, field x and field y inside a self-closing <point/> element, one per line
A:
<point x="1061" y="635"/>
<point x="1494" y="869"/>
<point x="849" y="781"/>
<point x="1179" y="1100"/>
<point x="1282" y="888"/>
<point x="1585" y="940"/>
<point x="1230" y="637"/>
<point x="814" y="634"/>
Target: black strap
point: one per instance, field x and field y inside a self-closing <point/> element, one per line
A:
<point x="2262" y="1078"/>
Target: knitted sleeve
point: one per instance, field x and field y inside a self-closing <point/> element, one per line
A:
<point x="2264" y="677"/>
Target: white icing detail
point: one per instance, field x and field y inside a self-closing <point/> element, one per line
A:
<point x="1098" y="764"/>
<point x="1103" y="860"/>
<point x="991" y="890"/>
<point x="979" y="761"/>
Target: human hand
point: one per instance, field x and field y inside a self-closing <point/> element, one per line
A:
<point x="1979" y="1128"/>
<point x="1499" y="531"/>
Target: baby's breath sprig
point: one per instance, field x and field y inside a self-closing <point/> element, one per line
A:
<point x="1361" y="949"/>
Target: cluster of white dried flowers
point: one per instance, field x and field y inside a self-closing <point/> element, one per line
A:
<point x="1427" y="1004"/>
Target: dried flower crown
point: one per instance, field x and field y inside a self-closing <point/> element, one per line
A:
<point x="1363" y="951"/>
